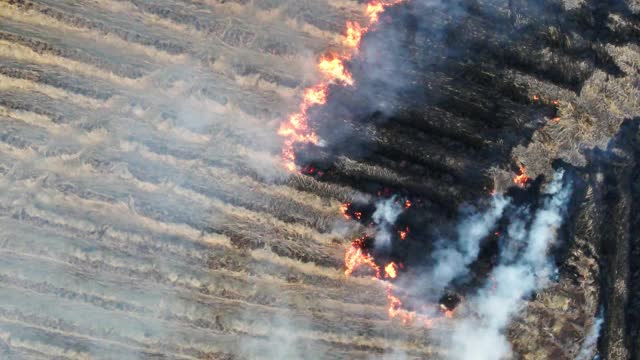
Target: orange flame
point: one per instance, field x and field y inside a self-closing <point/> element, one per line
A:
<point x="395" y="308"/>
<point x="373" y="11"/>
<point x="315" y="96"/>
<point x="343" y="210"/>
<point x="403" y="233"/>
<point x="391" y="270"/>
<point x="296" y="129"/>
<point x="407" y="204"/>
<point x="333" y="68"/>
<point x="356" y="256"/>
<point x="354" y="34"/>
<point x="447" y="313"/>
<point x="522" y="179"/>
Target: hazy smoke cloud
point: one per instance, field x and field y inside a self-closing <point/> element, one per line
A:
<point x="452" y="262"/>
<point x="392" y="355"/>
<point x="282" y="341"/>
<point x="588" y="350"/>
<point x="521" y="270"/>
<point x="385" y="216"/>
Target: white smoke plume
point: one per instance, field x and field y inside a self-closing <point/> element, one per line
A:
<point x="385" y="216"/>
<point x="520" y="271"/>
<point x="588" y="350"/>
<point x="453" y="261"/>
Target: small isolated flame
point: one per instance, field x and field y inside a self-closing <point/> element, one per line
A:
<point x="536" y="98"/>
<point x="556" y="119"/>
<point x="391" y="270"/>
<point x="522" y="179"/>
<point x="447" y="313"/>
<point x="343" y="210"/>
<point x="356" y="256"/>
<point x="556" y="102"/>
<point x="403" y="233"/>
<point x="407" y="204"/>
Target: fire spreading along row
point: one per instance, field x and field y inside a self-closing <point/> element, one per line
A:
<point x="296" y="130"/>
<point x="357" y="256"/>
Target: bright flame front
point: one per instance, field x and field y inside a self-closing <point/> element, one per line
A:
<point x="296" y="129"/>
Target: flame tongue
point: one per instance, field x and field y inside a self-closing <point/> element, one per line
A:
<point x="315" y="96"/>
<point x="373" y="11"/>
<point x="333" y="68"/>
<point x="391" y="270"/>
<point x="522" y="179"/>
<point x="395" y="308"/>
<point x="356" y="256"/>
<point x="353" y="35"/>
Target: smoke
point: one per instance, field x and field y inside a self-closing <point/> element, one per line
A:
<point x="392" y="355"/>
<point x="452" y="262"/>
<point x="282" y="340"/>
<point x="520" y="272"/>
<point x="588" y="349"/>
<point x="385" y="216"/>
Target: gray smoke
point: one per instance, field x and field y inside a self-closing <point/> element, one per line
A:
<point x="385" y="216"/>
<point x="521" y="270"/>
<point x="452" y="262"/>
<point x="588" y="350"/>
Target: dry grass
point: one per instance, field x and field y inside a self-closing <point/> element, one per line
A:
<point x="32" y="17"/>
<point x="9" y="83"/>
<point x="24" y="54"/>
<point x="326" y="190"/>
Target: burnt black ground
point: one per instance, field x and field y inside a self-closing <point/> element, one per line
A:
<point x="446" y="105"/>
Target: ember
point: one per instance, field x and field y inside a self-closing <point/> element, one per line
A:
<point x="403" y="233"/>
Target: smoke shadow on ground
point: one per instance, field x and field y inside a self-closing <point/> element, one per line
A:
<point x="614" y="176"/>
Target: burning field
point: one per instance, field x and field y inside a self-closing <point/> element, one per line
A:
<point x="319" y="179"/>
